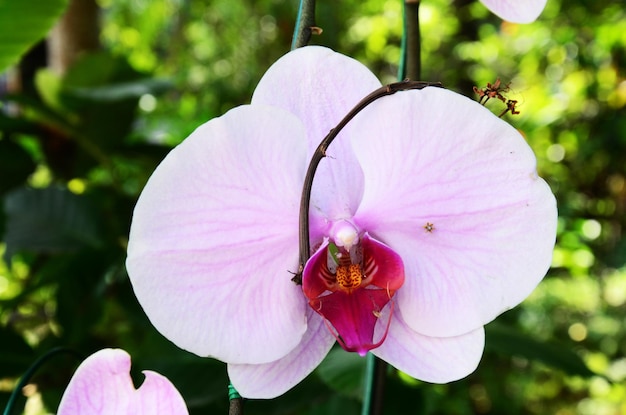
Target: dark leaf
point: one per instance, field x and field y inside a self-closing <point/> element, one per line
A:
<point x="49" y="220"/>
<point x="16" y="125"/>
<point x="15" y="165"/>
<point x="343" y="372"/>
<point x="80" y="294"/>
<point x="120" y="91"/>
<point x="15" y="354"/>
<point x="504" y="340"/>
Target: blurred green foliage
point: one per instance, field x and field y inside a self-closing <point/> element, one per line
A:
<point x="75" y="155"/>
<point x="23" y="23"/>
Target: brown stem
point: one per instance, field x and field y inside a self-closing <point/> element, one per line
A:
<point x="76" y="33"/>
<point x="235" y="406"/>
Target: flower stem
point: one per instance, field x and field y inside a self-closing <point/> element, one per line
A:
<point x="320" y="153"/>
<point x="305" y="24"/>
<point x="31" y="371"/>
<point x="235" y="401"/>
<point x="409" y="68"/>
<point x="375" y="375"/>
<point x="412" y="40"/>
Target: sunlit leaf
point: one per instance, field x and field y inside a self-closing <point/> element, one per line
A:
<point x="49" y="87"/>
<point x="23" y="23"/>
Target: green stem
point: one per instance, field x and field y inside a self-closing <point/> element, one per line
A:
<point x="412" y="40"/>
<point x="305" y="24"/>
<point x="375" y="376"/>
<point x="31" y="371"/>
<point x="409" y="68"/>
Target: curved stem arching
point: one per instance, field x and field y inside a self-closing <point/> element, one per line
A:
<point x="320" y="153"/>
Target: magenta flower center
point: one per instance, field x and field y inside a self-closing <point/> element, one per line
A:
<point x="350" y="281"/>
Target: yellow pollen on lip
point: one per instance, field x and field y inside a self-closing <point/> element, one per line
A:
<point x="350" y="276"/>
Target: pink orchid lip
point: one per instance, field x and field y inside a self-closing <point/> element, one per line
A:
<point x="351" y="288"/>
<point x="350" y="322"/>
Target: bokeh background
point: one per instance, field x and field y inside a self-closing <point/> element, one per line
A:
<point x="82" y="130"/>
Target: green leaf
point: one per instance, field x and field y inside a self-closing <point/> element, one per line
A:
<point x="97" y="69"/>
<point x="49" y="86"/>
<point x="102" y="91"/>
<point x="49" y="220"/>
<point x="24" y="23"/>
<point x="343" y="372"/>
<point x="121" y="91"/>
<point x="81" y="278"/>
<point x="504" y="340"/>
<point x="15" y="165"/>
<point x="16" y="125"/>
<point x="336" y="405"/>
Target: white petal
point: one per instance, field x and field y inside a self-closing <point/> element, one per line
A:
<point x="435" y="159"/>
<point x="269" y="380"/>
<point x="215" y="236"/>
<point x="516" y="11"/>
<point x="431" y="359"/>
<point x="320" y="87"/>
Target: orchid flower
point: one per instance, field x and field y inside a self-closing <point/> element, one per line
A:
<point x="102" y="386"/>
<point x="516" y="11"/>
<point x="427" y="221"/>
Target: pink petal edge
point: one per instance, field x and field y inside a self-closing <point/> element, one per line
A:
<point x="102" y="386"/>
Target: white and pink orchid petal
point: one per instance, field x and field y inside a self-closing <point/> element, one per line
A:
<point x="320" y="87"/>
<point x="269" y="380"/>
<point x="516" y="11"/>
<point x="454" y="190"/>
<point x="214" y="238"/>
<point x="102" y="386"/>
<point x="431" y="359"/>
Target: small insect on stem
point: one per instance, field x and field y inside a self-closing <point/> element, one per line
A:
<point x="429" y="227"/>
<point x="492" y="91"/>
<point x="496" y="90"/>
<point x="297" y="276"/>
<point x="510" y="106"/>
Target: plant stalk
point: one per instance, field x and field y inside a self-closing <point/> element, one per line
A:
<point x="305" y="24"/>
<point x="412" y="37"/>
